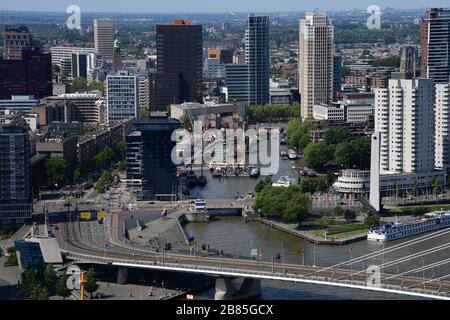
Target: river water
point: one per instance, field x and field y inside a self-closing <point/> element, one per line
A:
<point x="234" y="236"/>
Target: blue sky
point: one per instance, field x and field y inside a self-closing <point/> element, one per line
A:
<point x="212" y="5"/>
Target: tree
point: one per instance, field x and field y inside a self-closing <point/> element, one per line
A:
<point x="317" y="155"/>
<point x="262" y="184"/>
<point x="344" y="154"/>
<point x="144" y="113"/>
<point x="338" y="211"/>
<point x="331" y="178"/>
<point x="297" y="208"/>
<point x="91" y="283"/>
<point x="361" y="149"/>
<point x="105" y="181"/>
<point x="350" y="215"/>
<point x="372" y="221"/>
<point x="56" y="169"/>
<point x="61" y="287"/>
<point x="122" y="148"/>
<point x="436" y="187"/>
<point x="415" y="189"/>
<point x="96" y="86"/>
<point x="50" y="276"/>
<point x="334" y="136"/>
<point x="79" y="84"/>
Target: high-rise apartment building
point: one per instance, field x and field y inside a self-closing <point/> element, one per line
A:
<point x="316" y="60"/>
<point x="122" y="97"/>
<point x="104" y="36"/>
<point x="405" y="119"/>
<point x="258" y="58"/>
<point x="180" y="51"/>
<point x="442" y="130"/>
<point x="16" y="204"/>
<point x="434" y="40"/>
<point x="15" y="38"/>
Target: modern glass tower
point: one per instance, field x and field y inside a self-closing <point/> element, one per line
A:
<point x="258" y="59"/>
<point x="435" y="39"/>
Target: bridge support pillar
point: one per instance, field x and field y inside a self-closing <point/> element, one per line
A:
<point x="122" y="275"/>
<point x="225" y="289"/>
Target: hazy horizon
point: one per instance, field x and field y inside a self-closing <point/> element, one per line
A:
<point x="213" y="6"/>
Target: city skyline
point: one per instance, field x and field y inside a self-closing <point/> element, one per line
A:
<point x="201" y="6"/>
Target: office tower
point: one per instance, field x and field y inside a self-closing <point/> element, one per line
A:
<point x="104" y="38"/>
<point x="30" y="76"/>
<point x="117" y="61"/>
<point x="164" y="90"/>
<point x="16" y="204"/>
<point x="442" y="135"/>
<point x="258" y="59"/>
<point x="62" y="56"/>
<point x="15" y="38"/>
<point x="122" y="97"/>
<point x="434" y="40"/>
<point x="316" y="54"/>
<point x="405" y="119"/>
<point x="237" y="77"/>
<point x="337" y="75"/>
<point x="180" y="51"/>
<point x="79" y="65"/>
<point x="150" y="169"/>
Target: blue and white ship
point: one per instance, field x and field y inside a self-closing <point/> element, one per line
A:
<point x="429" y="222"/>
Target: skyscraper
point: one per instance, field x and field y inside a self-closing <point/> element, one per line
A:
<point x="442" y="135"/>
<point x="122" y="97"/>
<point x="14" y="39"/>
<point x="16" y="203"/>
<point x="316" y="54"/>
<point x="405" y="119"/>
<point x="104" y="38"/>
<point x="435" y="39"/>
<point x="258" y="59"/>
<point x="180" y="51"/>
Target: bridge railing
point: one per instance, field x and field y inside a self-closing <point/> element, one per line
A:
<point x="251" y="273"/>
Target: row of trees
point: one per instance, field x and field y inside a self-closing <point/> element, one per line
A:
<point x="272" y="113"/>
<point x="105" y="182"/>
<point x="41" y="283"/>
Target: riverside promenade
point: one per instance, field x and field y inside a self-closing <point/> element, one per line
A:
<point x="311" y="237"/>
